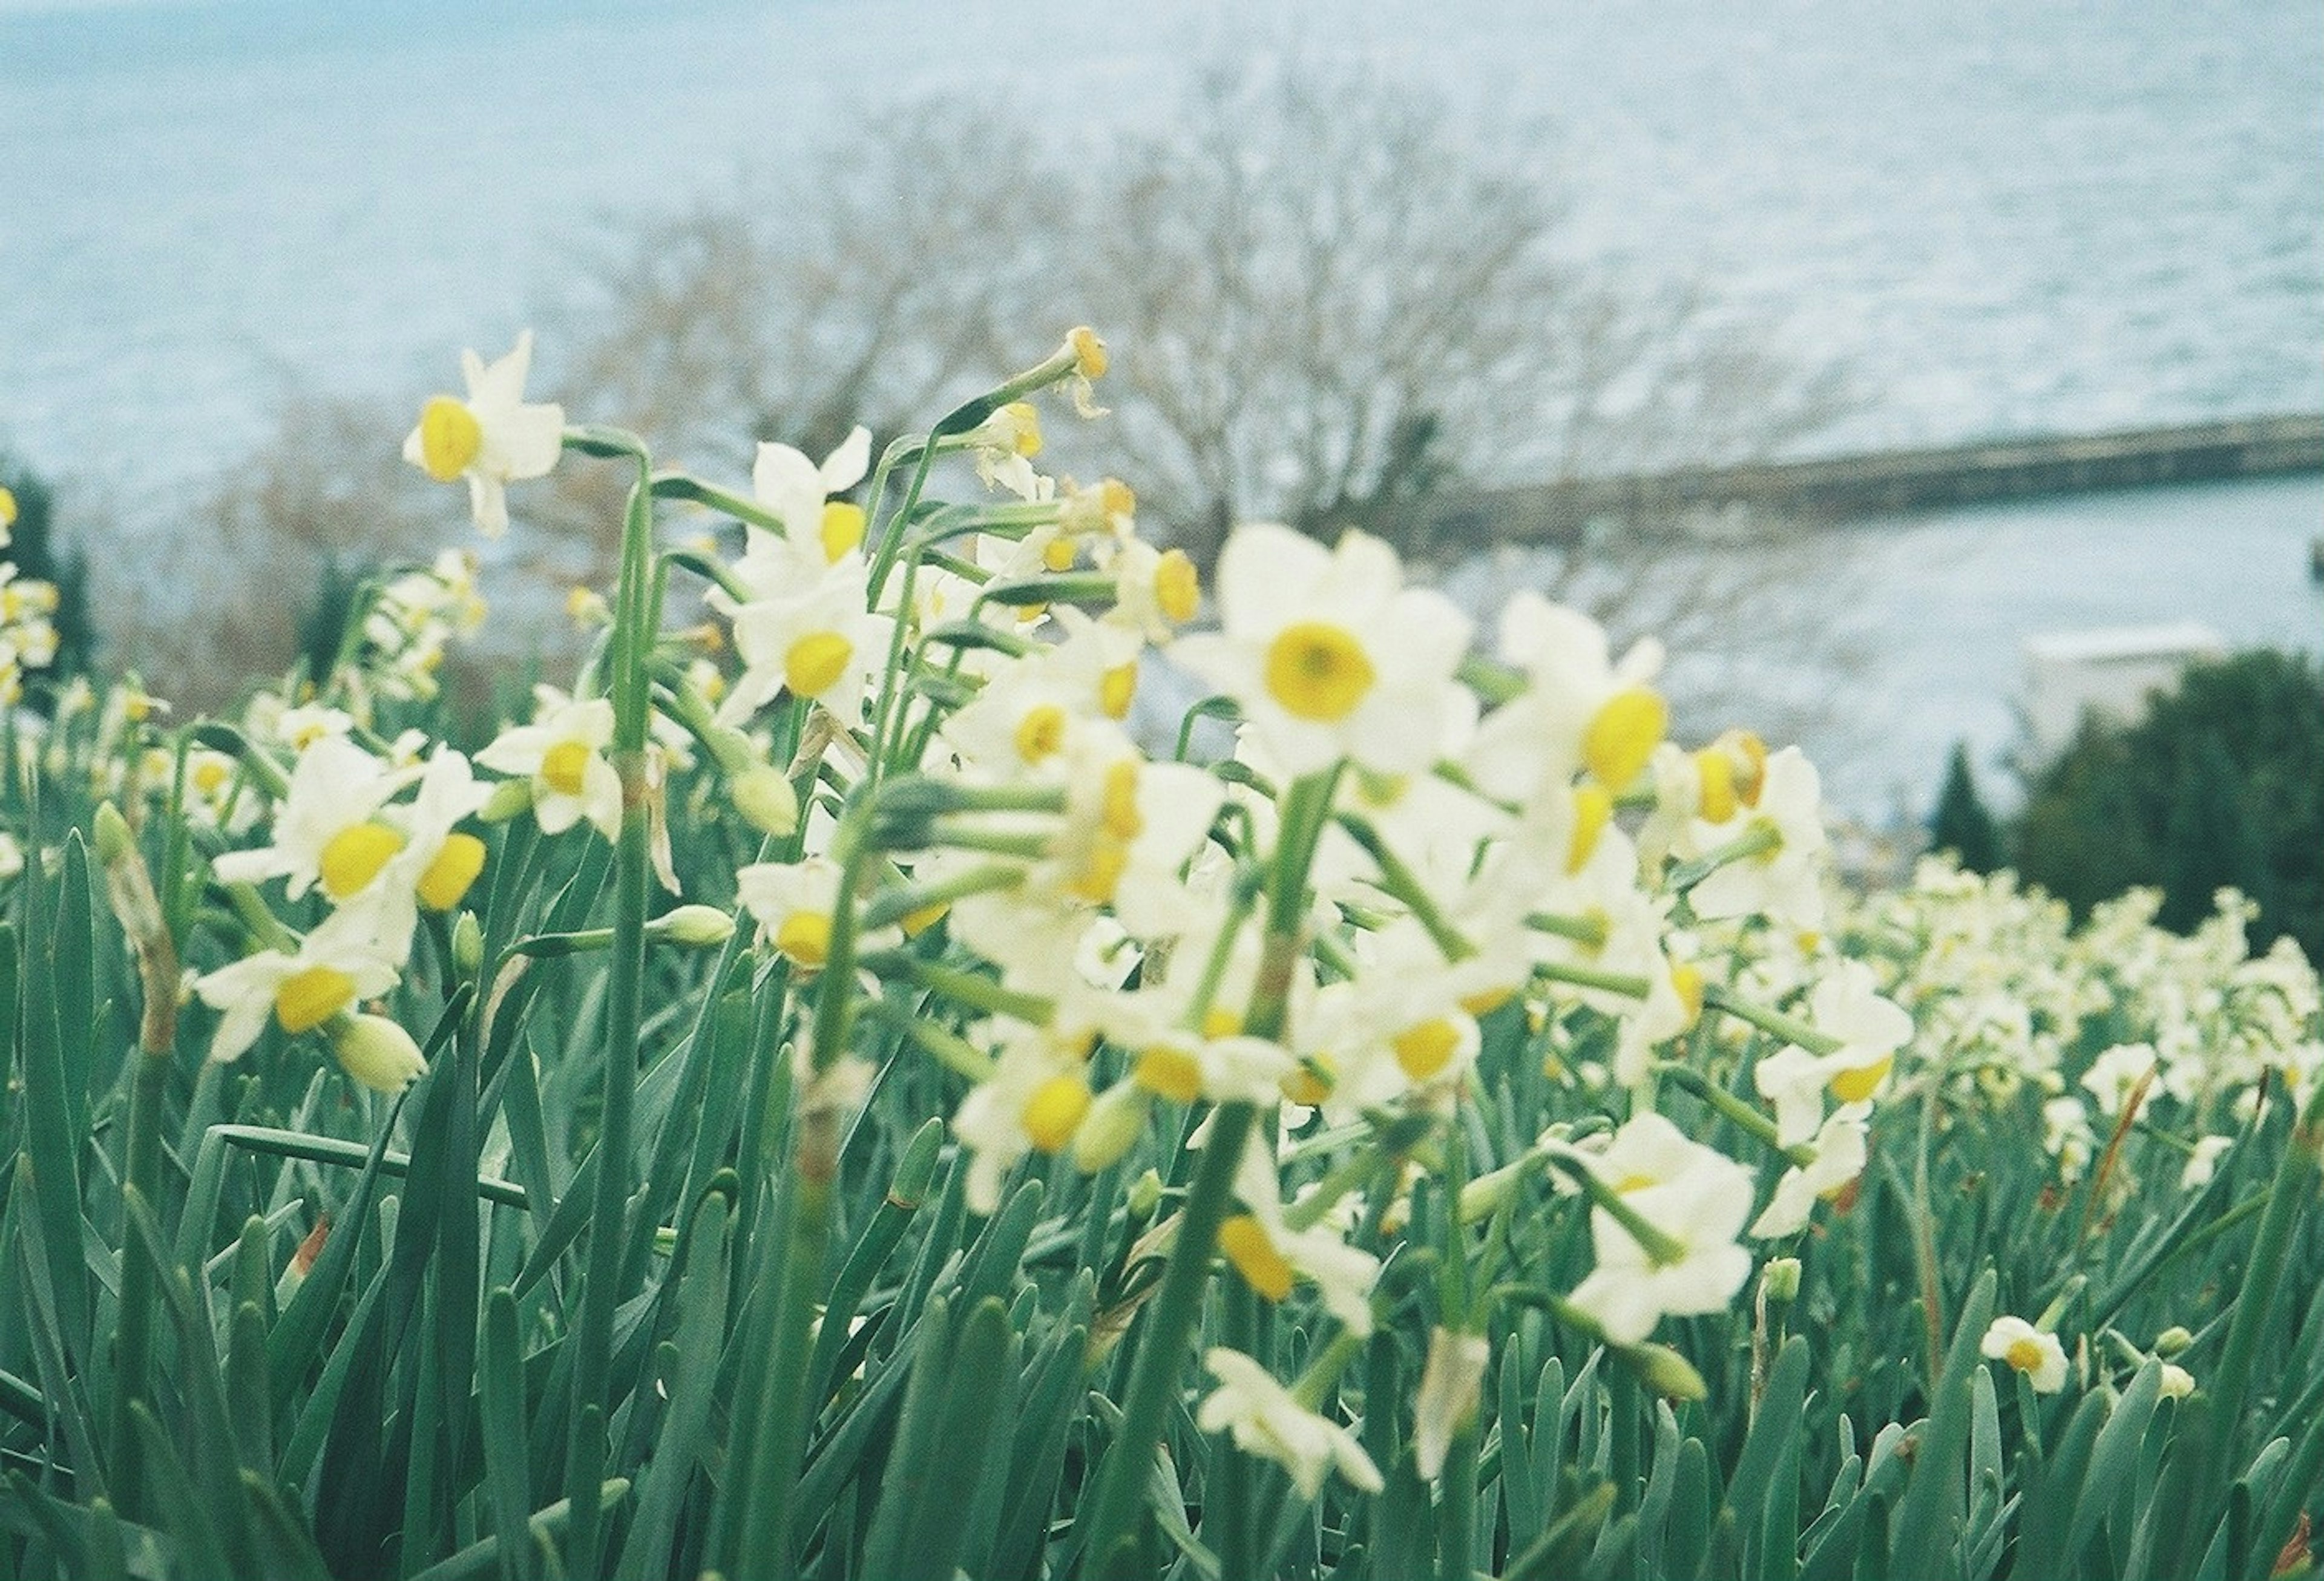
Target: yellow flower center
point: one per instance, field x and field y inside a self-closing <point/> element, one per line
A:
<point x="1318" y="671"/>
<point x="308" y="998"/>
<point x="1687" y="980"/>
<point x="1172" y="1073"/>
<point x="815" y="663"/>
<point x="1311" y="1083"/>
<point x="1754" y="753"/>
<point x="1622" y="735"/>
<point x="1634" y="1182"/>
<point x="210" y="775"/>
<point x="1485" y="1001"/>
<point x="1090" y="358"/>
<point x="1115" y="688"/>
<point x="1122" y="820"/>
<point x="1117" y="498"/>
<point x="1053" y="1112"/>
<point x="1856" y="1086"/>
<point x="564" y="768"/>
<point x="1593" y="809"/>
<point x="843" y="528"/>
<point x="1716" y="769"/>
<point x="450" y="438"/>
<point x="1426" y="1049"/>
<point x="1025" y="428"/>
<point x="7" y="509"/>
<point x="1218" y="1021"/>
<point x="446" y="882"/>
<point x="1059" y="554"/>
<point x="1041" y="732"/>
<point x="2025" y="1354"/>
<point x="352" y="858"/>
<point x="1244" y="1241"/>
<point x="1177" y="586"/>
<point x="805" y="937"/>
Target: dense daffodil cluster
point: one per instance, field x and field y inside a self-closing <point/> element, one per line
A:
<point x="2116" y="1020"/>
<point x="1422" y="836"/>
<point x="1282" y="956"/>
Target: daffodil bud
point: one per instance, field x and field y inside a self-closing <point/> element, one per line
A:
<point x="110" y="835"/>
<point x="701" y="927"/>
<point x="1145" y="1195"/>
<point x="1449" y="1387"/>
<point x="1666" y="1373"/>
<point x="765" y="799"/>
<point x="1112" y="1127"/>
<point x="2172" y="1340"/>
<point x="377" y="1052"/>
<point x="1780" y="1280"/>
<point x="467" y="942"/>
<point x="511" y="798"/>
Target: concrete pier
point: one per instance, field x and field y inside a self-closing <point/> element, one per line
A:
<point x="1844" y="488"/>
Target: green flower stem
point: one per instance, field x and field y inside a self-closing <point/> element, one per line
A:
<point x="1658" y="1245"/>
<point x="895" y="905"/>
<point x="1110" y="1553"/>
<point x="1774" y="1023"/>
<point x="1757" y="840"/>
<point x="1589" y="932"/>
<point x="1584" y="976"/>
<point x="1315" y="1384"/>
<point x="947" y="1048"/>
<point x="1747" y="1118"/>
<point x="635" y="628"/>
<point x="1399" y="881"/>
<point x="966" y="987"/>
<point x="958" y="836"/>
<point x="673" y="485"/>
<point x="1240" y="904"/>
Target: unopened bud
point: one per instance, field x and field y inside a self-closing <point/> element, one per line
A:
<point x="765" y="799"/>
<point x="377" y="1052"/>
<point x="110" y="835"/>
<point x="701" y="927"/>
<point x="467" y="942"/>
<point x="1112" y="1127"/>
<point x="2172" y="1340"/>
<point x="1449" y="1387"/>
<point x="1665" y="1372"/>
<point x="511" y="798"/>
<point x="1780" y="1280"/>
<point x="1145" y="1195"/>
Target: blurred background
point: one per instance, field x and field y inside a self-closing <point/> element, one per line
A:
<point x="1760" y="327"/>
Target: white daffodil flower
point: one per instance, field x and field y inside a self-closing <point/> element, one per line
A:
<point x="1329" y="655"/>
<point x="2028" y="1350"/>
<point x="1033" y="1101"/>
<point x="815" y="640"/>
<point x="1583" y="710"/>
<point x="563" y="755"/>
<point x="1784" y="882"/>
<point x="1696" y="1197"/>
<point x="492" y="438"/>
<point x="797" y="492"/>
<point x="341" y="961"/>
<point x="1838" y="1159"/>
<point x="326" y="830"/>
<point x="1268" y="1421"/>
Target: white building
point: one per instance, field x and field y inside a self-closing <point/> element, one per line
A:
<point x="2107" y="671"/>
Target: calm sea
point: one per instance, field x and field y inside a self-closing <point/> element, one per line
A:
<point x="2009" y="216"/>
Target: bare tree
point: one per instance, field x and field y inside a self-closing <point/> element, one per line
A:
<point x="1338" y="302"/>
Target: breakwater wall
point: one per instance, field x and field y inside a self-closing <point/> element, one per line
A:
<point x="1849" y="487"/>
